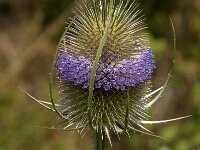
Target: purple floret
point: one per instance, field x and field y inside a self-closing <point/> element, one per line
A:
<point x="127" y="73"/>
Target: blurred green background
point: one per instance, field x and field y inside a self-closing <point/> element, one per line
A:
<point x="29" y="32"/>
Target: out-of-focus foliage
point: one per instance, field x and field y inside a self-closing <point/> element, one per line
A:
<point x="29" y="32"/>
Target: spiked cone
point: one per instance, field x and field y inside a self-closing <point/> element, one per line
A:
<point x="123" y="70"/>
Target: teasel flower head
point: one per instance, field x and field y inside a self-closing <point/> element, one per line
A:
<point x="104" y="66"/>
<point x="123" y="72"/>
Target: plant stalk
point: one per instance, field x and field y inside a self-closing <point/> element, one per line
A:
<point x="101" y="140"/>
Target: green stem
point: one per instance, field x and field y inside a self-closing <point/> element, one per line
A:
<point x="104" y="141"/>
<point x="101" y="140"/>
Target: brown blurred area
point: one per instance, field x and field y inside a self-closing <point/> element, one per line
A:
<point x="29" y="33"/>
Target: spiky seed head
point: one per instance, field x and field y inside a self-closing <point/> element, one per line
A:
<point x="124" y="71"/>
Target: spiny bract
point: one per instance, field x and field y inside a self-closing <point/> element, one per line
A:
<point x="125" y="67"/>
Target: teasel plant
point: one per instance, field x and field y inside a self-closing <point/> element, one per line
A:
<point x="103" y="66"/>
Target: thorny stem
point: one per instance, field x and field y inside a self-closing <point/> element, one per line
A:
<point x="101" y="140"/>
<point x="104" y="141"/>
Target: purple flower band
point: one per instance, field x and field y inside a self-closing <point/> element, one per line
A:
<point x="127" y="73"/>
